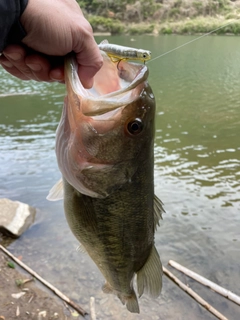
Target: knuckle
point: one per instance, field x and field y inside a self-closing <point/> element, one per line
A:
<point x="99" y="63"/>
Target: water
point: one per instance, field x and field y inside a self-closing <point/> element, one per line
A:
<point x="197" y="171"/>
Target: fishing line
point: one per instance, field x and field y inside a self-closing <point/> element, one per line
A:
<point x="183" y="45"/>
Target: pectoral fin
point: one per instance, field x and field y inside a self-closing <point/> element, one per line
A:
<point x="106" y="288"/>
<point x="81" y="248"/>
<point x="149" y="278"/>
<point x="56" y="193"/>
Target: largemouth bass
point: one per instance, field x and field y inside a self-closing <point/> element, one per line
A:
<point x="104" y="148"/>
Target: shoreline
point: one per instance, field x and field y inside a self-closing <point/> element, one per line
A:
<point x="108" y="34"/>
<point x="197" y="26"/>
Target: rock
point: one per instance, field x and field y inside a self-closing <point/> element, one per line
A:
<point x="15" y="217"/>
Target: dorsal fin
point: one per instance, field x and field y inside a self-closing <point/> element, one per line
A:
<point x="105" y="41"/>
<point x="158" y="209"/>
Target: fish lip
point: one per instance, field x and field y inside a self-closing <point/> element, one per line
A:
<point x="112" y="100"/>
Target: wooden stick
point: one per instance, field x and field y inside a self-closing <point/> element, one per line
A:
<point x="92" y="308"/>
<point x="47" y="284"/>
<point x="224" y="292"/>
<point x="194" y="295"/>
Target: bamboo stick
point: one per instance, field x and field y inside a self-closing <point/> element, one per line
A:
<point x="47" y="284"/>
<point x="92" y="308"/>
<point x="224" y="292"/>
<point x="194" y="295"/>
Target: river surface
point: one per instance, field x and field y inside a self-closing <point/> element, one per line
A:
<point x="197" y="172"/>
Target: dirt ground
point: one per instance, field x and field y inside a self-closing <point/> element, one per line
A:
<point x="33" y="301"/>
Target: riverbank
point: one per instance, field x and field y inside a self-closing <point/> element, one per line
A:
<point x="164" y="16"/>
<point x="23" y="297"/>
<point x="199" y="25"/>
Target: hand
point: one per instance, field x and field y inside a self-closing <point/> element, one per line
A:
<point x="26" y="64"/>
<point x="54" y="28"/>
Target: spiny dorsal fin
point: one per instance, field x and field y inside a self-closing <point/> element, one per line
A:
<point x="56" y="193"/>
<point x="158" y="209"/>
<point x="105" y="41"/>
<point x="149" y="278"/>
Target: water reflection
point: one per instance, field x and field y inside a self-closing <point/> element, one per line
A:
<point x="197" y="171"/>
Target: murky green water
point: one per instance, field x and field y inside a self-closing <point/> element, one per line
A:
<point x="197" y="172"/>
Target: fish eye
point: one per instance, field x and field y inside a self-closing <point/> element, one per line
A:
<point x="135" y="126"/>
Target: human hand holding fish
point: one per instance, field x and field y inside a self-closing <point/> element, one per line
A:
<point x="53" y="29"/>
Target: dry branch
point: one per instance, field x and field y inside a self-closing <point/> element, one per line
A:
<point x="92" y="308"/>
<point x="224" y="292"/>
<point x="47" y="284"/>
<point x="194" y="295"/>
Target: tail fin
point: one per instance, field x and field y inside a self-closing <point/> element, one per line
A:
<point x="149" y="278"/>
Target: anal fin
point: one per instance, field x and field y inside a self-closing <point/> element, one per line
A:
<point x="132" y="303"/>
<point x="130" y="300"/>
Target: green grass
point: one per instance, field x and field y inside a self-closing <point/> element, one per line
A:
<point x="187" y="26"/>
<point x="200" y="25"/>
<point x="103" y="24"/>
<point x="140" y="29"/>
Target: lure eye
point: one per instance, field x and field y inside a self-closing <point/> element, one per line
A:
<point x="135" y="126"/>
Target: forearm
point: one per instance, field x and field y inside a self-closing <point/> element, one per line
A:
<point x="11" y="31"/>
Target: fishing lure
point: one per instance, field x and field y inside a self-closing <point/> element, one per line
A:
<point x="117" y="52"/>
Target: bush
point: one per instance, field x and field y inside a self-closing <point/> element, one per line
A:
<point x="166" y="30"/>
<point x="140" y="29"/>
<point x="99" y="23"/>
<point x="231" y="28"/>
<point x="116" y="28"/>
<point x="174" y="13"/>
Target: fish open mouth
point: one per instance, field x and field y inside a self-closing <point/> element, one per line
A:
<point x="115" y="84"/>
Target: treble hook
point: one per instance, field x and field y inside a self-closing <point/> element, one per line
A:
<point x="118" y="64"/>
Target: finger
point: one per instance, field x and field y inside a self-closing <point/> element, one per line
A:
<point x="57" y="74"/>
<point x="89" y="59"/>
<point x="26" y="64"/>
<point x="15" y="72"/>
<point x="15" y="56"/>
<point x="87" y="68"/>
<point x="9" y="67"/>
<point x="86" y="79"/>
<point x="40" y="67"/>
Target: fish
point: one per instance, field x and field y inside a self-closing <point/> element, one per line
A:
<point x="104" y="150"/>
<point x="118" y="52"/>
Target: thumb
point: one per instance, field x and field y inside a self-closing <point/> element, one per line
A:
<point x="89" y="61"/>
